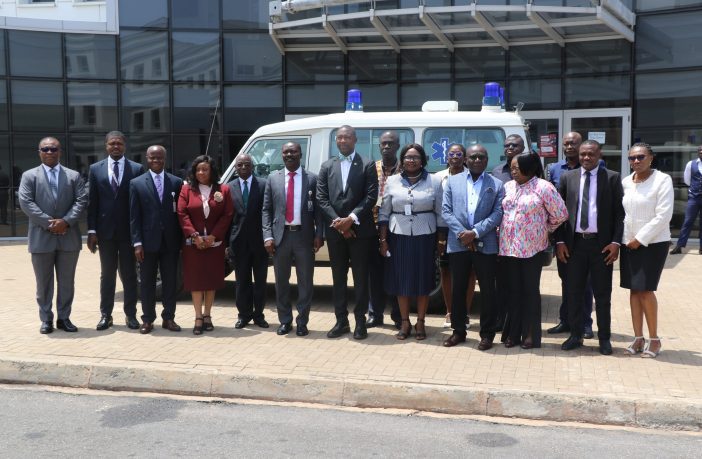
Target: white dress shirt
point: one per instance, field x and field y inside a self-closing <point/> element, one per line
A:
<point x="241" y="184"/>
<point x="473" y="189"/>
<point x="110" y="169"/>
<point x="687" y="175"/>
<point x="592" y="208"/>
<point x="346" y="168"/>
<point x="297" y="178"/>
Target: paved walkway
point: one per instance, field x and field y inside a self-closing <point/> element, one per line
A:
<point x="544" y="383"/>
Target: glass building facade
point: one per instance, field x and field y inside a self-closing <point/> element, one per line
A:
<point x="181" y="69"/>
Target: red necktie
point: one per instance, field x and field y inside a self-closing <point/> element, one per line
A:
<point x="290" y="199"/>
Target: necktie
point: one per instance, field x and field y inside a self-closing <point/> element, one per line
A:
<point x="159" y="187"/>
<point x="115" y="176"/>
<point x="344" y="158"/>
<point x="53" y="179"/>
<point x="290" y="199"/>
<point x="585" y="205"/>
<point x="246" y="194"/>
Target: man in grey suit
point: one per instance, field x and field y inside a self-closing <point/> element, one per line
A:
<point x="292" y="233"/>
<point x="472" y="209"/>
<point x="53" y="198"/>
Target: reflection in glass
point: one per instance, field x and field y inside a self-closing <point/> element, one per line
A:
<point x="245" y="14"/>
<point x="373" y="65"/>
<point x="144" y="55"/>
<point x="145" y="108"/>
<point x="195" y="56"/>
<point x="315" y="66"/>
<point x="243" y="100"/>
<point x="251" y="57"/>
<point x="538" y="94"/>
<point x="3" y="105"/>
<point x="535" y="60"/>
<point x="413" y="95"/>
<point x="186" y="148"/>
<point x="140" y="13"/>
<point x="90" y="56"/>
<point x="598" y="57"/>
<point x="378" y="97"/>
<point x="596" y="92"/>
<point x="650" y="5"/>
<point x="194" y="108"/>
<point x="92" y="106"/>
<point x="35" y="54"/>
<point x="2" y="52"/>
<point x="668" y="40"/>
<point x="425" y="63"/>
<point x="672" y="98"/>
<point x="37" y="106"/>
<point x="480" y="62"/>
<point x="197" y="14"/>
<point x="469" y="95"/>
<point x="316" y="98"/>
<point x="7" y="195"/>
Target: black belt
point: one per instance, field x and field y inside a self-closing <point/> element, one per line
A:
<point x="293" y="227"/>
<point x="587" y="235"/>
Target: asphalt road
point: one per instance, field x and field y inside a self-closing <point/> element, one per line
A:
<point x="38" y="423"/>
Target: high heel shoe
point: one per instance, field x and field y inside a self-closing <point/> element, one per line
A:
<point x="404" y="333"/>
<point x="207" y="323"/>
<point x="633" y="349"/>
<point x="197" y="329"/>
<point x="420" y="333"/>
<point x="648" y="353"/>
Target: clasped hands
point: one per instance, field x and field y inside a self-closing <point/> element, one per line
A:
<point x="58" y="226"/>
<point x="467" y="238"/>
<point x="203" y="242"/>
<point x="344" y="226"/>
<point x="611" y="250"/>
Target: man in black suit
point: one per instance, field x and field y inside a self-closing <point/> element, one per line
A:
<point x="588" y="242"/>
<point x="246" y="244"/>
<point x="156" y="236"/>
<point x="108" y="228"/>
<point x="347" y="190"/>
<point x="292" y="233"/>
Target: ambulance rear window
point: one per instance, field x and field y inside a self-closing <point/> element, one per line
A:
<point x="368" y="144"/>
<point x="436" y="141"/>
<point x="267" y="154"/>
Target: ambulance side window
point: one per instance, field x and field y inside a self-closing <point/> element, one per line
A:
<point x="436" y="141"/>
<point x="368" y="141"/>
<point x="267" y="156"/>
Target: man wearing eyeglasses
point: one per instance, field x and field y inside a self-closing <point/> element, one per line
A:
<point x="693" y="179"/>
<point x="514" y="145"/>
<point x="53" y="197"/>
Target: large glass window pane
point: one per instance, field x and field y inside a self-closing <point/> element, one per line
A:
<point x="37" y="106"/>
<point x="144" y="55"/>
<point x="379" y="97"/>
<point x="422" y="64"/>
<point x="595" y="92"/>
<point x="535" y="60"/>
<point x="469" y="95"/>
<point x="187" y="147"/>
<point x="145" y="108"/>
<point x="138" y="13"/>
<point x="199" y="14"/>
<point x="413" y="95"/>
<point x="315" y="66"/>
<point x="373" y="65"/>
<point x="92" y="106"/>
<point x="598" y="57"/>
<point x="90" y="56"/>
<point x="485" y="63"/>
<point x="539" y="94"/>
<point x="2" y="52"/>
<point x="317" y="98"/>
<point x="194" y="108"/>
<point x="7" y="195"/>
<point x="671" y="99"/>
<point x="651" y="5"/>
<point x="668" y="40"/>
<point x="35" y="54"/>
<point x="195" y="56"/>
<point x="245" y="14"/>
<point x="251" y="57"/>
<point x="242" y="101"/>
<point x="3" y="105"/>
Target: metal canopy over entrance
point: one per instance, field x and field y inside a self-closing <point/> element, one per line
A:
<point x="343" y="25"/>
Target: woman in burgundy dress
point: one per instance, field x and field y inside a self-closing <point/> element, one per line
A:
<point x="205" y="211"/>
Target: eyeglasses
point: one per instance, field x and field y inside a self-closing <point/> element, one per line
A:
<point x="455" y="154"/>
<point x="477" y="157"/>
<point x="640" y="158"/>
<point x="512" y="145"/>
<point x="49" y="149"/>
<point x="413" y="158"/>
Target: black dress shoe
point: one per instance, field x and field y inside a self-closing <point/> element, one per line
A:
<point x="171" y="325"/>
<point x="284" y="329"/>
<point x="146" y="328"/>
<point x="398" y="324"/>
<point x="588" y="333"/>
<point x="261" y="323"/>
<point x="562" y="327"/>
<point x="132" y="323"/>
<point x="485" y="344"/>
<point x="374" y="322"/>
<point x="105" y="323"/>
<point x="338" y="330"/>
<point x="573" y="342"/>
<point x="302" y="330"/>
<point x="46" y="328"/>
<point x="605" y="347"/>
<point x="360" y="332"/>
<point x="676" y="251"/>
<point x="454" y="340"/>
<point x="66" y="325"/>
<point x="241" y="323"/>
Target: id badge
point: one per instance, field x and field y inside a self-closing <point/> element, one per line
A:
<point x="310" y="206"/>
<point x="408" y="209"/>
<point x="174" y="207"/>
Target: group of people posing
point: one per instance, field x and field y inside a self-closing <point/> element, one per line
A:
<point x="384" y="219"/>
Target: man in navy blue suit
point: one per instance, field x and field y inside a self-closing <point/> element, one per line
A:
<point x="156" y="236"/>
<point x="108" y="228"/>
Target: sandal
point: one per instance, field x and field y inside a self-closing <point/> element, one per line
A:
<point x="420" y="334"/>
<point x="633" y="349"/>
<point x="648" y="353"/>
<point x="402" y="334"/>
<point x="197" y="329"/>
<point x="207" y="323"/>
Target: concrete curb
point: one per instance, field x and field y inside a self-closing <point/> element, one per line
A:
<point x="648" y="413"/>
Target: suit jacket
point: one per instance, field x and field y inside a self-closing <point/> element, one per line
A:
<point x="39" y="204"/>
<point x="192" y="216"/>
<point x="275" y="206"/>
<point x="426" y="206"/>
<point x="152" y="221"/>
<point x="108" y="215"/>
<point x="610" y="211"/>
<point x="359" y="196"/>
<point x="487" y="217"/>
<point x="246" y="225"/>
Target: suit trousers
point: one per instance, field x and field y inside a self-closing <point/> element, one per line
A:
<point x="342" y="253"/>
<point x="295" y="249"/>
<point x="587" y="297"/>
<point x="251" y="268"/>
<point x="44" y="264"/>
<point x="693" y="209"/>
<point x="165" y="261"/>
<point x="586" y="259"/>
<point x="522" y="278"/>
<point x="376" y="278"/>
<point x="117" y="256"/>
<point x="461" y="264"/>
